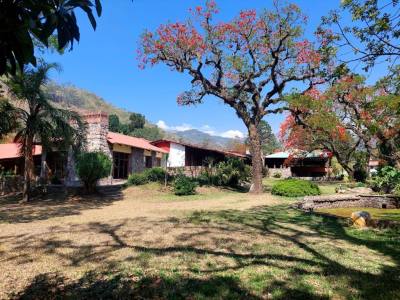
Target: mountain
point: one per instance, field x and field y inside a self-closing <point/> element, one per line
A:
<point x="197" y="137"/>
<point x="69" y="96"/>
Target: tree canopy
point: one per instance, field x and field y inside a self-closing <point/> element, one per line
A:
<point x="374" y="33"/>
<point x="347" y="118"/>
<point x="24" y="22"/>
<point x="38" y="122"/>
<point x="247" y="62"/>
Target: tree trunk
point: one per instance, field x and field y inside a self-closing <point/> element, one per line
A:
<point x="257" y="161"/>
<point x="28" y="170"/>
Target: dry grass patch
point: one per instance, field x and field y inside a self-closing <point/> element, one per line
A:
<point x="217" y="245"/>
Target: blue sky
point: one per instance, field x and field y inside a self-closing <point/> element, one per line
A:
<point x="104" y="62"/>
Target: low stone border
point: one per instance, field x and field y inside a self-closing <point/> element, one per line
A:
<point x="379" y="224"/>
<point x="349" y="200"/>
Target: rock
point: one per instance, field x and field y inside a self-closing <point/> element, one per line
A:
<point x="361" y="219"/>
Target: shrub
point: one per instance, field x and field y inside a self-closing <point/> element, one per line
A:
<point x="92" y="166"/>
<point x="386" y="179"/>
<point x="204" y="179"/>
<point x="396" y="190"/>
<point x="277" y="175"/>
<point x="231" y="172"/>
<point x="360" y="175"/>
<point x="184" y="185"/>
<point x="295" y="188"/>
<point x="155" y="174"/>
<point x="137" y="179"/>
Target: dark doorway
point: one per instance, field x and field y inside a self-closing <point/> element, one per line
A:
<point x="121" y="163"/>
<point x="148" y="161"/>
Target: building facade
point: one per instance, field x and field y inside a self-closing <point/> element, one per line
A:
<point x="128" y="154"/>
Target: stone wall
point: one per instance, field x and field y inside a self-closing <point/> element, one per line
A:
<point x="285" y="172"/>
<point x="350" y="200"/>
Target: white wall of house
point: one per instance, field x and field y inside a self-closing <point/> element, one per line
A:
<point x="176" y="155"/>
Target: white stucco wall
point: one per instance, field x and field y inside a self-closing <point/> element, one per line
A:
<point x="176" y="155"/>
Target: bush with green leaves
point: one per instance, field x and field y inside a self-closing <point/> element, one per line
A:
<point x="137" y="179"/>
<point x="396" y="190"/>
<point x="148" y="175"/>
<point x="92" y="166"/>
<point x="184" y="185"/>
<point x="386" y="179"/>
<point x="232" y="172"/>
<point x="155" y="174"/>
<point x="295" y="188"/>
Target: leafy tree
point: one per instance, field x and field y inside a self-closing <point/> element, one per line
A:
<point x="269" y="142"/>
<point x="92" y="166"/>
<point x="374" y="31"/>
<point x="113" y="123"/>
<point x="38" y="121"/>
<point x="136" y="121"/>
<point x="326" y="137"/>
<point x="148" y="133"/>
<point x="23" y="22"/>
<point x="347" y="118"/>
<point x="248" y="62"/>
<point x="7" y="120"/>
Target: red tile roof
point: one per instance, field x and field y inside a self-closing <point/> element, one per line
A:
<point x="12" y="150"/>
<point x="117" y="138"/>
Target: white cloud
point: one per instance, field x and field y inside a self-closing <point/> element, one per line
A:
<point x="162" y="125"/>
<point x="233" y="134"/>
<point x="205" y="128"/>
<point x="182" y="127"/>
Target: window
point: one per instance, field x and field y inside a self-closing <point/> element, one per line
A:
<point x="148" y="162"/>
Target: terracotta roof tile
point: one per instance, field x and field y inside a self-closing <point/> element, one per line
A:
<point x="117" y="138"/>
<point x="11" y="150"/>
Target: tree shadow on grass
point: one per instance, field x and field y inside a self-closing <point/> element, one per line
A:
<point x="292" y="228"/>
<point x="103" y="286"/>
<point x="52" y="205"/>
<point x="281" y="221"/>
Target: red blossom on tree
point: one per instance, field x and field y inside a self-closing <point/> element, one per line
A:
<point x="247" y="62"/>
<point x="347" y="118"/>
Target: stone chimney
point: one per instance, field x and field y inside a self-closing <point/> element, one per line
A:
<point x="96" y="140"/>
<point x="97" y="130"/>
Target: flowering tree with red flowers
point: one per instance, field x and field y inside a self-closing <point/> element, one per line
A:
<point x="348" y="118"/>
<point x="248" y="62"/>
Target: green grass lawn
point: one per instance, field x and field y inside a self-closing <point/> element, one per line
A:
<point x="216" y="245"/>
<point x="376" y="213"/>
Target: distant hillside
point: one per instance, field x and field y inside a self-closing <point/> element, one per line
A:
<point x="198" y="137"/>
<point x="68" y="96"/>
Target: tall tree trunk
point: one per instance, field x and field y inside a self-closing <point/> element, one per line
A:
<point x="28" y="169"/>
<point x="257" y="161"/>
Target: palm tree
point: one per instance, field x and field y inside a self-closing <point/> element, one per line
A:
<point x="7" y="121"/>
<point x="39" y="122"/>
